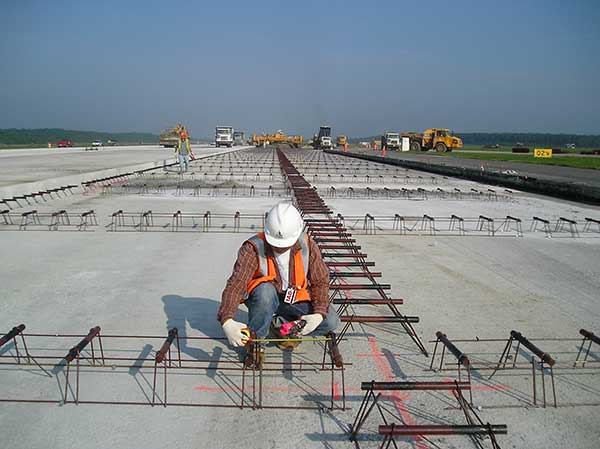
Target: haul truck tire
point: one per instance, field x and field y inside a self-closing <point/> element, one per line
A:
<point x="441" y="148"/>
<point x="415" y="146"/>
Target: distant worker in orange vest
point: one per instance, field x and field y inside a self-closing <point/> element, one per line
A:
<point x="183" y="152"/>
<point x="280" y="276"/>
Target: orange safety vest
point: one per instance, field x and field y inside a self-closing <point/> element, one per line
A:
<point x="266" y="271"/>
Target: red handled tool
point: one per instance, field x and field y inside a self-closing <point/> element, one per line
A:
<point x="292" y="329"/>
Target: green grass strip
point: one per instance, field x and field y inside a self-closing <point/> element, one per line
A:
<point x="592" y="162"/>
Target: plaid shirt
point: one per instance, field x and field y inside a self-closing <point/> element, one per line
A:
<point x="247" y="264"/>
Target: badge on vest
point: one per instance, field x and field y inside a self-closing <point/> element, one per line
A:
<point x="290" y="295"/>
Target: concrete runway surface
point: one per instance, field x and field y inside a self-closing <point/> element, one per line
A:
<point x="138" y="274"/>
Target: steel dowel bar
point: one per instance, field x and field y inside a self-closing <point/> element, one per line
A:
<point x="158" y="337"/>
<point x="344" y="287"/>
<point x="460" y="356"/>
<point x="76" y="350"/>
<point x="170" y="404"/>
<point x="396" y="430"/>
<point x="336" y="357"/>
<point x="353" y="274"/>
<point x="350" y="264"/>
<point x="587" y="334"/>
<point x="162" y="352"/>
<point x="567" y="220"/>
<point x="544" y="356"/>
<point x="380" y="319"/>
<point x="326" y="226"/>
<point x="418" y="386"/>
<point x="353" y="255"/>
<point x="11" y="334"/>
<point x="372" y="302"/>
<point x="320" y="240"/>
<point x="211" y="365"/>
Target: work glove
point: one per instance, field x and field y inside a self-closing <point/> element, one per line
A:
<point x="233" y="332"/>
<point x="312" y="322"/>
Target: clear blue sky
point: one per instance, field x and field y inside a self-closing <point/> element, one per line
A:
<point x="362" y="67"/>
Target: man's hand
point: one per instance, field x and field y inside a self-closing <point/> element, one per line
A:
<point x="312" y="322"/>
<point x="233" y="331"/>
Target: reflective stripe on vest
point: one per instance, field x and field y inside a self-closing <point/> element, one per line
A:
<point x="266" y="267"/>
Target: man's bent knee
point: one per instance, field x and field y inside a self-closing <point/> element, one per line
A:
<point x="330" y="323"/>
<point x="264" y="294"/>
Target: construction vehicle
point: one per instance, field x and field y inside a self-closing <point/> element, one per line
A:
<point x="440" y="139"/>
<point x="341" y="141"/>
<point x="224" y="136"/>
<point x="390" y="140"/>
<point x="169" y="138"/>
<point x="323" y="139"/>
<point x="238" y="138"/>
<point x="278" y="138"/>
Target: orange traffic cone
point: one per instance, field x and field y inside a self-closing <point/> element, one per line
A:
<point x="383" y="151"/>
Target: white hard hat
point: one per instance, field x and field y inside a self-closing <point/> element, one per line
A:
<point x="283" y="226"/>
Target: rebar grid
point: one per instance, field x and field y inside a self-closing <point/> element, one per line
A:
<point x="475" y="428"/>
<point x="33" y="198"/>
<point x="96" y="353"/>
<point x="179" y="221"/>
<point x="322" y="225"/>
<point x="534" y="362"/>
<point x="50" y="221"/>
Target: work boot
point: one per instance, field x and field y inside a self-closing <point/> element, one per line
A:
<point x="289" y="345"/>
<point x="255" y="356"/>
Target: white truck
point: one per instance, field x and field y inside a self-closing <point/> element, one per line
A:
<point x="323" y="140"/>
<point x="224" y="136"/>
<point x="326" y="142"/>
<point x="390" y="140"/>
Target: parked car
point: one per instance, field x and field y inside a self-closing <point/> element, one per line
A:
<point x="64" y="143"/>
<point x="97" y="143"/>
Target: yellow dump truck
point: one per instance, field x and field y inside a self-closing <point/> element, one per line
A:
<point x="169" y="138"/>
<point x="341" y="141"/>
<point x="277" y="138"/>
<point x="440" y="139"/>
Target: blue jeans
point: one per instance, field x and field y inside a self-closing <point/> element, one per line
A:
<point x="264" y="302"/>
<point x="184" y="162"/>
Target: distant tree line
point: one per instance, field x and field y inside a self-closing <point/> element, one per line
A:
<point x="530" y="139"/>
<point x="511" y="139"/>
<point x="15" y="136"/>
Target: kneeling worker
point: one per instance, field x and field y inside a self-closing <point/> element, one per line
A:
<point x="279" y="273"/>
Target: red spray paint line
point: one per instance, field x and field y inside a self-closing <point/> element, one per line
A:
<point x="397" y="397"/>
<point x="498" y="387"/>
<point x="336" y="391"/>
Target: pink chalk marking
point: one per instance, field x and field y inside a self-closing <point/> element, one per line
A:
<point x="336" y="391"/>
<point x="395" y="396"/>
